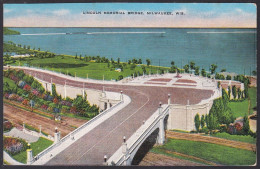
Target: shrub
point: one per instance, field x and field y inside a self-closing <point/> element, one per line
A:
<point x="21" y="84"/>
<point x="14" y="78"/>
<point x="120" y="77"/>
<point x="205" y="130"/>
<point x="6" y="95"/>
<point x="55" y="100"/>
<point x="7" y="126"/>
<point x="27" y="88"/>
<point x="56" y="110"/>
<point x="35" y="92"/>
<point x="73" y="110"/>
<point x="20" y="99"/>
<point x="65" y="103"/>
<point x="65" y="109"/>
<point x="49" y="98"/>
<point x="25" y="102"/>
<point x="53" y="105"/>
<point x="13" y="96"/>
<point x="50" y="109"/>
<point x="44" y="107"/>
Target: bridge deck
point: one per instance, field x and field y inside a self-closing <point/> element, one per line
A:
<point x="106" y="138"/>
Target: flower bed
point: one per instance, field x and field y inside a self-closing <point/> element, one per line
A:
<point x="7" y="126"/>
<point x="14" y="145"/>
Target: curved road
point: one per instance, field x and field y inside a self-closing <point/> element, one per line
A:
<point x="107" y="137"/>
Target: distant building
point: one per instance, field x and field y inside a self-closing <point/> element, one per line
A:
<point x="22" y="56"/>
<point x="117" y="69"/>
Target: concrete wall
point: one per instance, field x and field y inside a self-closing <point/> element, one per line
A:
<point x="181" y="117"/>
<point x="72" y="92"/>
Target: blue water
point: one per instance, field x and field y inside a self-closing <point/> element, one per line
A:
<point x="233" y="49"/>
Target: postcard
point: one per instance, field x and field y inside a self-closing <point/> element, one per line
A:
<point x="119" y="84"/>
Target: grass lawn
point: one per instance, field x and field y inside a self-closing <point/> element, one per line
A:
<point x="10" y="82"/>
<point x="36" y="147"/>
<point x="82" y="68"/>
<point x="161" y="151"/>
<point x="239" y="108"/>
<point x="211" y="152"/>
<point x="252" y="96"/>
<point x="247" y="139"/>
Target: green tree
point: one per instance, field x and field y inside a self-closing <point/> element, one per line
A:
<point x="229" y="92"/>
<point x="148" y="62"/>
<point x="144" y="69"/>
<point x="197" y="122"/>
<point x="54" y="93"/>
<point x="129" y="61"/>
<point x="212" y="120"/>
<point x="246" y="127"/>
<point x="76" y="57"/>
<point x="28" y="79"/>
<point x="202" y="121"/>
<point x="118" y="60"/>
<point x="218" y="84"/>
<point x="254" y="72"/>
<point x="207" y="120"/>
<point x="112" y="61"/>
<point x="120" y="77"/>
<point x="228" y="77"/>
<point x="172" y="63"/>
<point x="234" y="91"/>
<point x="239" y="93"/>
<point x="197" y="70"/>
<point x="223" y="70"/>
<point x="203" y="72"/>
<point x="186" y="68"/>
<point x="173" y="69"/>
<point x="134" y="61"/>
<point x="192" y="65"/>
<point x="139" y="61"/>
<point x="213" y="68"/>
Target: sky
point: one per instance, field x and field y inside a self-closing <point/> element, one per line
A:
<point x="71" y="15"/>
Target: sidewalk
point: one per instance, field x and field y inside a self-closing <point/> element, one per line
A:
<point x="10" y="160"/>
<point x="20" y="134"/>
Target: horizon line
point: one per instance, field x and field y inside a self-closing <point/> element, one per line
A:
<point x="124" y="27"/>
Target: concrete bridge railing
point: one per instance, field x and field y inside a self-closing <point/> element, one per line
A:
<point x="54" y="149"/>
<point x="125" y="154"/>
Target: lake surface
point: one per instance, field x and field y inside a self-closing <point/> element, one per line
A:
<point x="232" y="49"/>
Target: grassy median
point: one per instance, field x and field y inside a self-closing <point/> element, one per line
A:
<point x="219" y="154"/>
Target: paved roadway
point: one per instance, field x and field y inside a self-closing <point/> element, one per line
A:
<point x="106" y="138"/>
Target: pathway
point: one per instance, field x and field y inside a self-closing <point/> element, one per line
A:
<point x="20" y="134"/>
